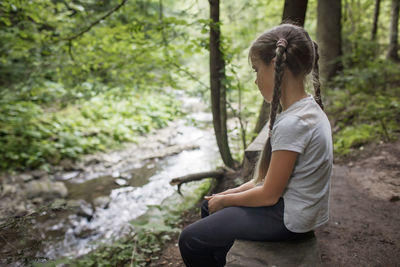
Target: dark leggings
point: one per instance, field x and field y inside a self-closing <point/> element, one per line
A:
<point x="207" y="241"/>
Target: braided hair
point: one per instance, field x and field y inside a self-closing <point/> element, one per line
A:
<point x="292" y="47"/>
<point x="316" y="82"/>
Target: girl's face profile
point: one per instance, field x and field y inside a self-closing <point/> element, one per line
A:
<point x="264" y="78"/>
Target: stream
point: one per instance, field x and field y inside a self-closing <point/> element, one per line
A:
<point x="118" y="187"/>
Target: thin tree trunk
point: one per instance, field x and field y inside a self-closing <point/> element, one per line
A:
<point x="293" y="10"/>
<point x="376" y="18"/>
<point x="262" y="117"/>
<point x="218" y="90"/>
<point x="394" y="32"/>
<point x="329" y="37"/>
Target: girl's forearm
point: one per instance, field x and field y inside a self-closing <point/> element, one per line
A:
<point x="275" y="182"/>
<point x="254" y="197"/>
<point x="246" y="186"/>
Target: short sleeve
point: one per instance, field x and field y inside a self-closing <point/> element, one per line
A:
<point x="290" y="133"/>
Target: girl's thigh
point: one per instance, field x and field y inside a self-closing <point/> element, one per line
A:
<point x="226" y="225"/>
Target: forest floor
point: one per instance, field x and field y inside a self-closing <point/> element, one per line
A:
<point x="363" y="229"/>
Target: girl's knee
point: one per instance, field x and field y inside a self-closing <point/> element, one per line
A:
<point x="184" y="239"/>
<point x="185" y="247"/>
<point x="195" y="252"/>
<point x="189" y="238"/>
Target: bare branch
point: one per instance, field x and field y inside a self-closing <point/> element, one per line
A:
<point x="190" y="75"/>
<point x="96" y="22"/>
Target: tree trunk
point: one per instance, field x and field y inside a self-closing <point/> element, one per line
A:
<point x="394" y="32"/>
<point x="262" y="117"/>
<point x="376" y="18"/>
<point x="329" y="37"/>
<point x="218" y="90"/>
<point x="293" y="10"/>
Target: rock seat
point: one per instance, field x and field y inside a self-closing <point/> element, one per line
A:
<point x="246" y="253"/>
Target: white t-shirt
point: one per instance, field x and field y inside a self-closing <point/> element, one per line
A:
<point x="304" y="128"/>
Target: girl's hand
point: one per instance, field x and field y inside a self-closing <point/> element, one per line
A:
<point x="215" y="203"/>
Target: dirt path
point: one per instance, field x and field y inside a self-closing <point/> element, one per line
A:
<point x="364" y="225"/>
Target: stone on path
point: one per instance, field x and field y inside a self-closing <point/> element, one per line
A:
<point x="246" y="253"/>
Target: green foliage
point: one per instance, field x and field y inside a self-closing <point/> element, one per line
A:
<point x="47" y="77"/>
<point x="30" y="137"/>
<point x="123" y="49"/>
<point x="375" y="76"/>
<point x="56" y="91"/>
<point x="358" y="48"/>
<point x="353" y="137"/>
<point x="57" y="77"/>
<point x="365" y="106"/>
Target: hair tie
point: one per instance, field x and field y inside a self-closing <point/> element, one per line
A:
<point x="282" y="43"/>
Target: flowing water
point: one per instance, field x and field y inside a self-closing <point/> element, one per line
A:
<point x="108" y="202"/>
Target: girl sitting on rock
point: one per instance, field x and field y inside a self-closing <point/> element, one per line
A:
<point x="288" y="196"/>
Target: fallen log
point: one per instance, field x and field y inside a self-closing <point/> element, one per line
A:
<point x="217" y="174"/>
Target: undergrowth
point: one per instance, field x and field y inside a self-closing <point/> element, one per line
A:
<point x="33" y="137"/>
<point x="364" y="106"/>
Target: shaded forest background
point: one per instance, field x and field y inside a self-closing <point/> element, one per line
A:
<point x="82" y="76"/>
